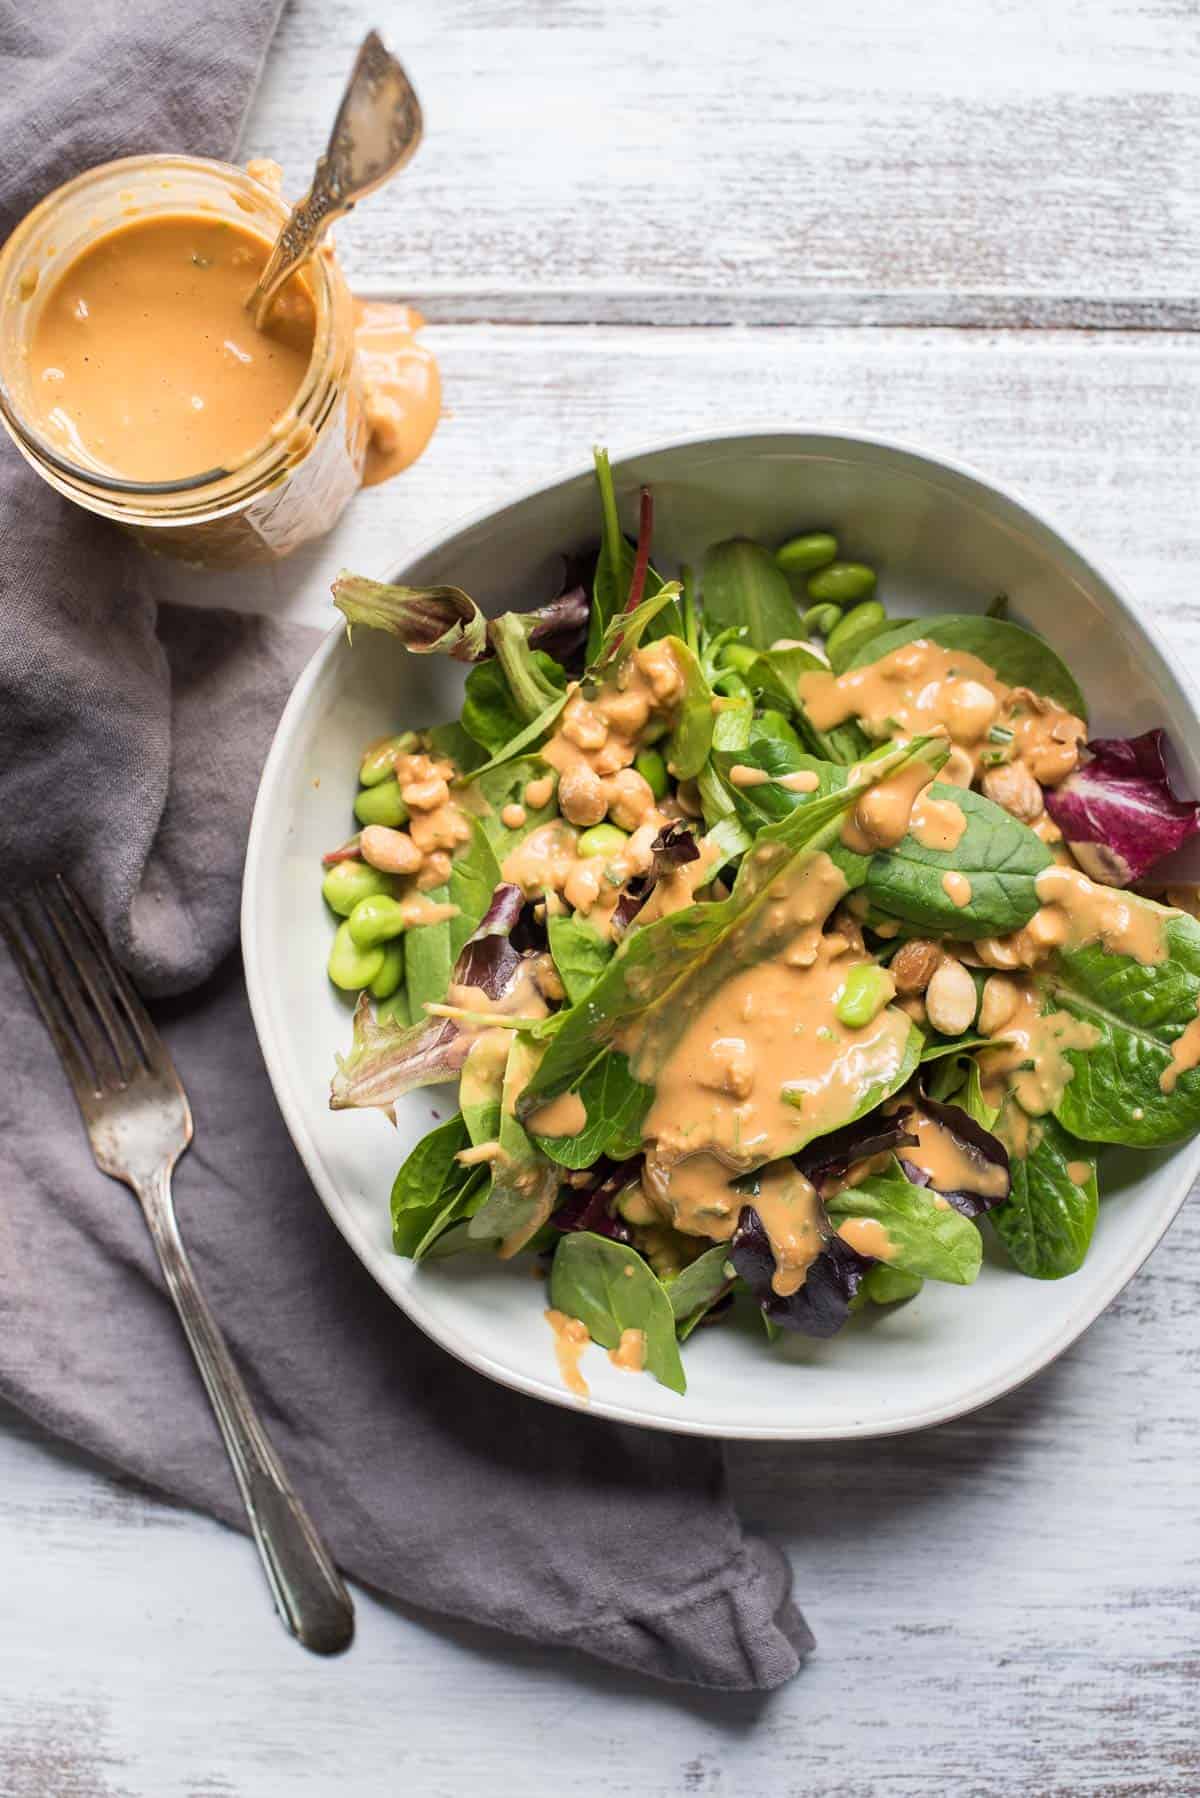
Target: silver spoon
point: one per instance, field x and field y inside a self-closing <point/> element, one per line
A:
<point x="377" y="130"/>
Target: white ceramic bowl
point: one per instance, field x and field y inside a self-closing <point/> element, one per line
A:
<point x="942" y="539"/>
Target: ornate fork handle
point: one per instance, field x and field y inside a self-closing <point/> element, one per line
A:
<point x="308" y="1592"/>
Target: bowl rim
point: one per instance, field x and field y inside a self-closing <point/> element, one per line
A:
<point x="1181" y="1175"/>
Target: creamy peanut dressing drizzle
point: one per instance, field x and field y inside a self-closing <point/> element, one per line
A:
<point x="1031" y="1064"/>
<point x="950" y="1166"/>
<point x="867" y="1236"/>
<point x="402" y="389"/>
<point x="570" y="1340"/>
<point x="630" y="1352"/>
<point x="802" y="781"/>
<point x="957" y="888"/>
<point x="564" y="1116"/>
<point x="1077" y="912"/>
<point x="1185" y="1055"/>
<point x="1079" y="1172"/>
<point x="937" y="823"/>
<point x="742" y="776"/>
<point x="793" y="1218"/>
<point x="880" y="817"/>
<point x="921" y="686"/>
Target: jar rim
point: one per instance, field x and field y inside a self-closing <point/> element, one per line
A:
<point x="269" y="458"/>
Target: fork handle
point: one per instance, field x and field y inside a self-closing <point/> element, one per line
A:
<point x="307" y="1589"/>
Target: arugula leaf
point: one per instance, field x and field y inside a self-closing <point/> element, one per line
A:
<point x="1000" y="856"/>
<point x="492" y="713"/>
<point x="428" y="1184"/>
<point x="1137" y="1011"/>
<point x="1047" y="1221"/>
<point x="697" y="1287"/>
<point x="659" y="964"/>
<point x="928" y="1241"/>
<point x="742" y="586"/>
<point x="616" y="1105"/>
<point x="610" y="1288"/>
<point x="580" y="953"/>
<point x="1020" y="658"/>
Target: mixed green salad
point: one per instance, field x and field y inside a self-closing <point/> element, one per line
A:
<point x="773" y="943"/>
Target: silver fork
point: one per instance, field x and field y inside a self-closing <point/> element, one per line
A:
<point x="139" y="1122"/>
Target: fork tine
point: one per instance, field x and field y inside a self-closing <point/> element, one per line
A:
<point x="149" y="1042"/>
<point x="41" y="990"/>
<point x="70" y="991"/>
<point x="93" y="965"/>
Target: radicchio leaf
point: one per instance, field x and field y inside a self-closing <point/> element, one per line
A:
<point x="387" y="1060"/>
<point x="822" y="1304"/>
<point x="427" y="620"/>
<point x="829" y="1157"/>
<point x="593" y="1207"/>
<point x="560" y="627"/>
<point x="672" y="848"/>
<point x="976" y="1144"/>
<point x="1118" y="813"/>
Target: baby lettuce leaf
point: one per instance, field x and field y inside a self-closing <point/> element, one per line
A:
<point x="1000" y="856"/>
<point x="580" y="954"/>
<point x="430" y="1181"/>
<point x="534" y="678"/>
<point x="1047" y="1221"/>
<point x="479" y="1091"/>
<point x="491" y="713"/>
<point x="886" y="1285"/>
<point x="524" y="1184"/>
<point x="692" y="734"/>
<point x="610" y="1288"/>
<point x="698" y="1286"/>
<point x="743" y="587"/>
<point x="927" y="1241"/>
<point x="451" y="740"/>
<point x="616" y="1105"/>
<point x="474" y="877"/>
<point x="662" y="968"/>
<point x="507" y="785"/>
<point x="1138" y="1011"/>
<point x="427" y="620"/>
<point x="1020" y="658"/>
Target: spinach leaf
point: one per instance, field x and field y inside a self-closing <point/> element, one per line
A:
<point x="459" y="1207"/>
<point x="429" y="1181"/>
<point x="662" y="966"/>
<point x="580" y="954"/>
<point x="742" y="586"/>
<point x="524" y="1183"/>
<point x="937" y="1048"/>
<point x="532" y="734"/>
<point x="610" y="1288"/>
<point x="429" y="959"/>
<point x="885" y="1285"/>
<point x="929" y="1241"/>
<point x="1138" y="1011"/>
<point x="451" y="740"/>
<point x="697" y="1287"/>
<point x="1047" y="1221"/>
<point x="1000" y="857"/>
<point x="1020" y="658"/>
<point x="474" y="877"/>
<point x="507" y="785"/>
<point x="616" y="1105"/>
<point x="492" y="713"/>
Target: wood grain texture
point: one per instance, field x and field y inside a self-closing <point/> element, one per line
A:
<point x="690" y="161"/>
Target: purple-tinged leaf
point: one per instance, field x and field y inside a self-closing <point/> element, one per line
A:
<point x="673" y="848"/>
<point x="1117" y="813"/>
<point x="829" y="1157"/>
<point x="349" y="851"/>
<point x="822" y="1304"/>
<point x="979" y="1155"/>
<point x="427" y="620"/>
<point x="387" y="1060"/>
<point x="594" y="1207"/>
<point x="560" y="627"/>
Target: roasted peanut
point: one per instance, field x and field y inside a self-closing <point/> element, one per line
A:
<point x="998" y="1004"/>
<point x="580" y="795"/>
<point x="391" y="851"/>
<point x="1014" y="787"/>
<point x="950" y="999"/>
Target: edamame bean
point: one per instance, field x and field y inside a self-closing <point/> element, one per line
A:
<point x="377" y="763"/>
<point x="866" y="991"/>
<point x="349" y="967"/>
<point x="391" y="974"/>
<point x="602" y="839"/>
<point x="801" y="555"/>
<point x="738" y="656"/>
<point x="653" y="770"/>
<point x="821" y="620"/>
<point x="382" y="804"/>
<point x="855" y="629"/>
<point x="375" y="920"/>
<point x="842" y="582"/>
<point x="348" y="882"/>
<point x="730" y="684"/>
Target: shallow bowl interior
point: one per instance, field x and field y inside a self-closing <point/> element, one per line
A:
<point x="941" y="539"/>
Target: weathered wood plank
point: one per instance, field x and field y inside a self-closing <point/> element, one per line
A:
<point x="1097" y="430"/>
<point x="708" y="163"/>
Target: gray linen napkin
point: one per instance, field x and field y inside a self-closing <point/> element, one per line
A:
<point x="130" y="744"/>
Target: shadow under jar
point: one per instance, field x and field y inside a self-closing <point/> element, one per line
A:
<point x="282" y="476"/>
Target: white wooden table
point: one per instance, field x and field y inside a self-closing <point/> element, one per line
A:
<point x="971" y="225"/>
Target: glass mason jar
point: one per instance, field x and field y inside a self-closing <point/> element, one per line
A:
<point x="297" y="481"/>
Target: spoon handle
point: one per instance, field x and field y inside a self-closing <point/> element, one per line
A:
<point x="377" y="130"/>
